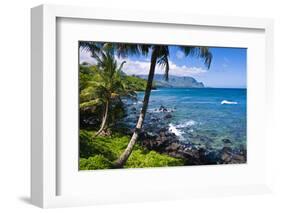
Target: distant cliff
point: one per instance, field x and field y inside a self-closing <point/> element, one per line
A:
<point x="175" y="81"/>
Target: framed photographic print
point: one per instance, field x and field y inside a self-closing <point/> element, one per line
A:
<point x="147" y="105"/>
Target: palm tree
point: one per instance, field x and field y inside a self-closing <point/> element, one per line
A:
<point x="160" y="56"/>
<point x="108" y="86"/>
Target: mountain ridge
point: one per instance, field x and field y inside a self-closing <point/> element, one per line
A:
<point x="175" y="81"/>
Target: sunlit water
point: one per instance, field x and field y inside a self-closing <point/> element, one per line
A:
<point x="195" y="114"/>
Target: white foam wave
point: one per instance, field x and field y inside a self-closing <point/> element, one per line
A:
<point x="186" y="124"/>
<point x="173" y="129"/>
<point x="176" y="129"/>
<point x="228" y="102"/>
<point x="138" y="102"/>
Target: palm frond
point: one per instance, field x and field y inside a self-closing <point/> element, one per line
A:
<point x="200" y="52"/>
<point x="163" y="59"/>
<point x="206" y="55"/>
<point x="93" y="47"/>
<point x="91" y="103"/>
<point x="164" y="63"/>
<point x="119" y="70"/>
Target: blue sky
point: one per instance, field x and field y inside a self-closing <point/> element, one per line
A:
<point x="228" y="67"/>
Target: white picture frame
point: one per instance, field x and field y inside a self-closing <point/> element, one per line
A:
<point x="44" y="155"/>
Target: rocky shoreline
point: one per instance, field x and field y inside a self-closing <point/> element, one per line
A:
<point x="168" y="143"/>
<point x="160" y="139"/>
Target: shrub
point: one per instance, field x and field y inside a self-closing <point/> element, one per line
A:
<point x="90" y="146"/>
<point x="140" y="159"/>
<point x="96" y="162"/>
<point x="100" y="153"/>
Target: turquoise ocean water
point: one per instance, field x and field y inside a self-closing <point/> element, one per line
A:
<point x="194" y="114"/>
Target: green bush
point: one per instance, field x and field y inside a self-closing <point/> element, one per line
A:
<point x="100" y="152"/>
<point x="90" y="146"/>
<point x="96" y="162"/>
<point x="136" y="83"/>
<point x="140" y="159"/>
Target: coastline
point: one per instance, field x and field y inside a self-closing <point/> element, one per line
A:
<point x="166" y="142"/>
<point x="161" y="133"/>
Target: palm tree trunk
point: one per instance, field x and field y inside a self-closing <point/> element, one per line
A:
<point x="104" y="119"/>
<point x="125" y="155"/>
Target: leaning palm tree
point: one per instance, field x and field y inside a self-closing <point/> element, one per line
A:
<point x="160" y="56"/>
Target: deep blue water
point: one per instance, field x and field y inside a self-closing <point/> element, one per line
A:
<point x="195" y="113"/>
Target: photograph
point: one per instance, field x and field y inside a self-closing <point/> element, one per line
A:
<point x="161" y="105"/>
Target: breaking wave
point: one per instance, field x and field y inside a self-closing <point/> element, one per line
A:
<point x="173" y="129"/>
<point x="228" y="102"/>
<point x="178" y="129"/>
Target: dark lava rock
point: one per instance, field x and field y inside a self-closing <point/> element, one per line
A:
<point x="168" y="116"/>
<point x="192" y="155"/>
<point x="226" y="149"/>
<point x="210" y="157"/>
<point x="154" y="120"/>
<point x="229" y="156"/>
<point x="162" y="140"/>
<point x="163" y="109"/>
<point x="168" y="143"/>
<point x="159" y="141"/>
<point x="225" y="140"/>
<point x="172" y="147"/>
<point x="226" y="157"/>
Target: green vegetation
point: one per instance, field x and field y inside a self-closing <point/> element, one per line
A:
<point x="136" y="83"/>
<point x="101" y="91"/>
<point x="96" y="162"/>
<point x="160" y="55"/>
<point x="106" y="88"/>
<point x="101" y="152"/>
<point x="102" y="88"/>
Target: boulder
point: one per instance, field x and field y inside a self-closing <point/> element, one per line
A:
<point x="168" y="116"/>
<point x="163" y="109"/>
<point x="226" y="141"/>
<point x="230" y="156"/>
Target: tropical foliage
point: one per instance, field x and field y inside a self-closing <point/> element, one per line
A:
<point x="102" y="87"/>
<point x="101" y="153"/>
<point x="91" y="99"/>
<point x="101" y="90"/>
<point x="159" y="55"/>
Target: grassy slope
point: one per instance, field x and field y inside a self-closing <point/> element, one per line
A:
<point x="101" y="152"/>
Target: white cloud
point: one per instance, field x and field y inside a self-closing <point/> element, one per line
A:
<point x="138" y="67"/>
<point x="142" y="68"/>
